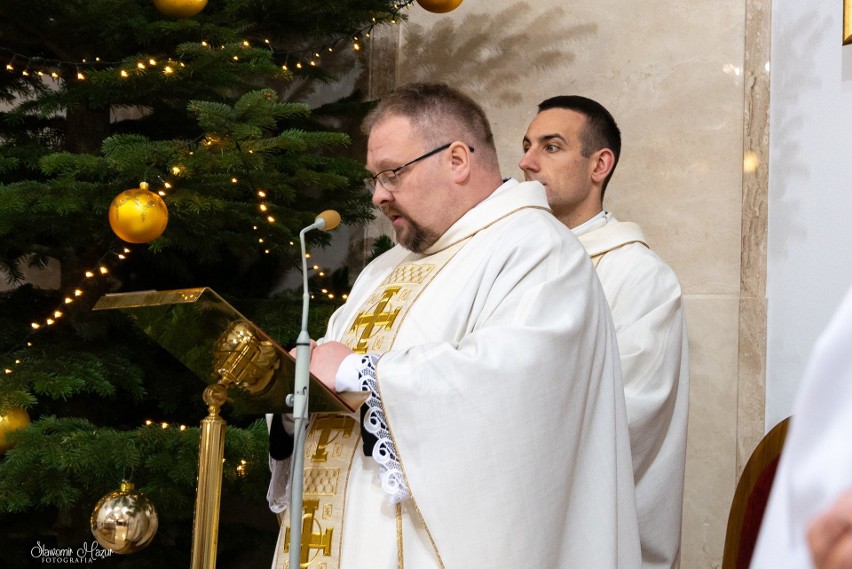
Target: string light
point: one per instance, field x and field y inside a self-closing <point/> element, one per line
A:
<point x="67" y="299"/>
<point x="43" y="66"/>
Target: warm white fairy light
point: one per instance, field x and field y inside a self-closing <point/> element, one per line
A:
<point x="40" y="67"/>
<point x="69" y="298"/>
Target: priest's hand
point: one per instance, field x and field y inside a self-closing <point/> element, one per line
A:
<point x="325" y="361"/>
<point x="830" y="535"/>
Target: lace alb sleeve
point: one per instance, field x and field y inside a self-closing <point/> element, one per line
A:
<point x="374" y="431"/>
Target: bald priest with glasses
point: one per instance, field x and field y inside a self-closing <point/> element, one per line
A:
<point x="495" y="432"/>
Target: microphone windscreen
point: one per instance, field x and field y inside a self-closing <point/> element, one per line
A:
<point x="331" y="219"/>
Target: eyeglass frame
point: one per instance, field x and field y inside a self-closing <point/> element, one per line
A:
<point x="371" y="181"/>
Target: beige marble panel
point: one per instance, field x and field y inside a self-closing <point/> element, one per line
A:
<point x="753" y="313"/>
<point x="674" y="87"/>
<point x="712" y="442"/>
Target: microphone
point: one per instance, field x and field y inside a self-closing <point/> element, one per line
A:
<point x="330" y="219"/>
<point x="326" y="221"/>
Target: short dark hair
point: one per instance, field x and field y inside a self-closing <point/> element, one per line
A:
<point x="438" y="114"/>
<point x="600" y="131"/>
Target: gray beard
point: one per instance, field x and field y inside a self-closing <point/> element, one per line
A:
<point x="418" y="238"/>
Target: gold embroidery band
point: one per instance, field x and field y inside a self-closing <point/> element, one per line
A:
<point x="330" y="445"/>
<point x="375" y="326"/>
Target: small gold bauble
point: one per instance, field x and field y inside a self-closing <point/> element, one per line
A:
<point x="180" y="8"/>
<point x="124" y="521"/>
<point x="14" y="419"/>
<point x="439" y="6"/>
<point x="138" y="215"/>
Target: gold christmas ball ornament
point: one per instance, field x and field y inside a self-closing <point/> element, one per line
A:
<point x="14" y="419"/>
<point x="138" y="215"/>
<point x="124" y="521"/>
<point x="180" y="8"/>
<point x="439" y="6"/>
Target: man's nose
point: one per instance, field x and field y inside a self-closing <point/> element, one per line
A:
<point x="381" y="195"/>
<point x="528" y="162"/>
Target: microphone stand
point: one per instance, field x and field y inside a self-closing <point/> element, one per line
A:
<point x="298" y="400"/>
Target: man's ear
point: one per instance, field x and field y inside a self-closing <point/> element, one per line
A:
<point x="460" y="161"/>
<point x="603" y="161"/>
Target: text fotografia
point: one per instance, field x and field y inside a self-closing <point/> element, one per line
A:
<point x="86" y="553"/>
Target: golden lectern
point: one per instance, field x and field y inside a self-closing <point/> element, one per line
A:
<point x="239" y="362"/>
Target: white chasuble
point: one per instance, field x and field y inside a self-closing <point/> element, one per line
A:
<point x="645" y="298"/>
<point x="500" y="384"/>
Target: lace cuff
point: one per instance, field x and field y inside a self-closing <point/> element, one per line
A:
<point x="377" y="439"/>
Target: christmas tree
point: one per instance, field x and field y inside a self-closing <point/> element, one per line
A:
<point x="205" y="105"/>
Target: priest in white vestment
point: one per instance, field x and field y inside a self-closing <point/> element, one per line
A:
<point x="572" y="147"/>
<point x="810" y="490"/>
<point x="495" y="432"/>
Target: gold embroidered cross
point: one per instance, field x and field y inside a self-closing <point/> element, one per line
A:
<point x="373" y="322"/>
<point x="327" y="426"/>
<point x="310" y="540"/>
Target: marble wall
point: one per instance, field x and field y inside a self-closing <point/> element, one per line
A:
<point x="688" y="84"/>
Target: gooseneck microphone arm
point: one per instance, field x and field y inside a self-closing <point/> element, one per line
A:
<point x="298" y="400"/>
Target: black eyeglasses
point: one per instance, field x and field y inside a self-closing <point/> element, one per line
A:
<point x="389" y="179"/>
